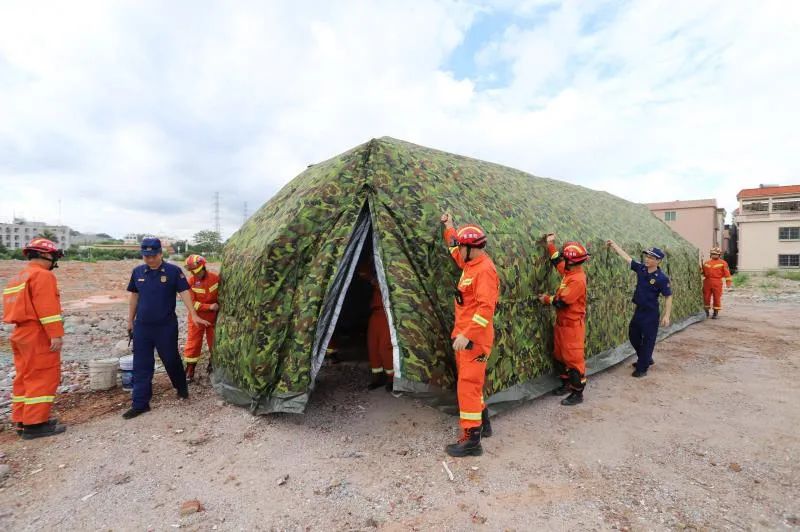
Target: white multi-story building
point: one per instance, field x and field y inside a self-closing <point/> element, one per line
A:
<point x="16" y="235"/>
<point x="768" y="224"/>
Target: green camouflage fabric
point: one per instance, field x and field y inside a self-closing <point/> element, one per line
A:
<point x="277" y="269"/>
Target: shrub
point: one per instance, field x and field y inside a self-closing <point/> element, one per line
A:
<point x="740" y="279"/>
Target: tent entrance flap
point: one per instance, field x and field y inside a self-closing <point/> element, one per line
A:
<point x="361" y="241"/>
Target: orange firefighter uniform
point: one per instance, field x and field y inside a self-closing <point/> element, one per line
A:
<point x="31" y="302"/>
<point x="379" y="341"/>
<point x="205" y="293"/>
<point x="476" y="298"/>
<point x="570" y="328"/>
<point x="714" y="272"/>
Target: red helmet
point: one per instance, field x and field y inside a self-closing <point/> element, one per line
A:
<point x="42" y="245"/>
<point x="471" y="236"/>
<point x="195" y="263"/>
<point x="574" y="253"/>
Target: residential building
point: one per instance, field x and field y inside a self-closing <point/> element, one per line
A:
<point x="768" y="227"/>
<point x="698" y="221"/>
<point x="15" y="235"/>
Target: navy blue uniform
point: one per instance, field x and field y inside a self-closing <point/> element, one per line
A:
<point x="156" y="327"/>
<point x="643" y="329"/>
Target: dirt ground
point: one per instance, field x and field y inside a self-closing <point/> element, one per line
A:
<point x="709" y="440"/>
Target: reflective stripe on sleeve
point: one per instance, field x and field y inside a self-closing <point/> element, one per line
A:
<point x="14" y="289"/>
<point x="480" y="320"/>
<point x="50" y="319"/>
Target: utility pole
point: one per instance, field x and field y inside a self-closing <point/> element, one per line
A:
<point x="216" y="214"/>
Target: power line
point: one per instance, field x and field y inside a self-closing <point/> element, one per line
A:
<point x="216" y="213"/>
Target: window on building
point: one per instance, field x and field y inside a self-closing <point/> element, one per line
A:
<point x="786" y="206"/>
<point x="789" y="233"/>
<point x="789" y="261"/>
<point x="756" y="206"/>
<point x="670" y="216"/>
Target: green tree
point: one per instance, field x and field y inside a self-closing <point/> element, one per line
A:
<point x="207" y="242"/>
<point x="49" y="235"/>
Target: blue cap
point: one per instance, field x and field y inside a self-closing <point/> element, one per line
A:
<point x="655" y="253"/>
<point x="151" y="246"/>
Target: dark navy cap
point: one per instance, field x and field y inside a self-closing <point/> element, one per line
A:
<point x="151" y="246"/>
<point x="655" y="253"/>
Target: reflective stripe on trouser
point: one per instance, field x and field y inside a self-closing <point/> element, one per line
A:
<point x="38" y="373"/>
<point x="712" y="290"/>
<point x="146" y="339"/>
<point x="379" y="343"/>
<point x="642" y="333"/>
<point x="471" y="376"/>
<point x="194" y="341"/>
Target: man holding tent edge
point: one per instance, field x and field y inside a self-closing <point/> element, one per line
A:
<point x="473" y="331"/>
<point x="570" y="329"/>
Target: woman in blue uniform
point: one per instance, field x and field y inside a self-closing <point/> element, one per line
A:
<point x="650" y="283"/>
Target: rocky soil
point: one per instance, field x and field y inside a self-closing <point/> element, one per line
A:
<point x="707" y="441"/>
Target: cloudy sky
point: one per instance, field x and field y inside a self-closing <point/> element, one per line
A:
<point x="133" y="113"/>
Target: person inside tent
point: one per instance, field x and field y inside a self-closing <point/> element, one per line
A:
<point x="379" y="341"/>
<point x="473" y="331"/>
<point x="714" y="271"/>
<point x="570" y="328"/>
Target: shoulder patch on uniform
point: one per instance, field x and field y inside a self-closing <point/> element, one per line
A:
<point x="652" y="281"/>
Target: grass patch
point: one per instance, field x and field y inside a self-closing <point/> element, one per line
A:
<point x="792" y="276"/>
<point x="771" y="273"/>
<point x="740" y="279"/>
<point x="769" y="284"/>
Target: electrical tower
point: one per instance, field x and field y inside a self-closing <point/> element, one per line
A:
<point x="216" y="213"/>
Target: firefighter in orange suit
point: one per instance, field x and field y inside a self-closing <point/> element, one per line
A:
<point x="205" y="291"/>
<point x="570" y="328"/>
<point x="31" y="302"/>
<point x="473" y="332"/>
<point x="714" y="271"/>
<point x="379" y="341"/>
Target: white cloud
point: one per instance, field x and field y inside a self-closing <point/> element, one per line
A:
<point x="134" y="114"/>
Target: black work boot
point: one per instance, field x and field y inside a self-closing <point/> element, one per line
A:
<point x="20" y="426"/>
<point x="378" y="380"/>
<point x="575" y="398"/>
<point x="41" y="430"/>
<point x="563" y="389"/>
<point x="468" y="445"/>
<point x="714" y="316"/>
<point x="133" y="412"/>
<point x="708" y="313"/>
<point x="486" y="425"/>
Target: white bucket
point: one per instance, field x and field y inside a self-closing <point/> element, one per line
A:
<point x="103" y="373"/>
<point x="126" y="372"/>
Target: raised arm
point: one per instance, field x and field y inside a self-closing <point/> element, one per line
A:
<point x="619" y="251"/>
<point x="450" y="239"/>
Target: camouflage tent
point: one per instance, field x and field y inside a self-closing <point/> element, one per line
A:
<point x="286" y="271"/>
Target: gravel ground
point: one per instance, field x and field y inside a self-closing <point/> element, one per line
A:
<point x="707" y="441"/>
